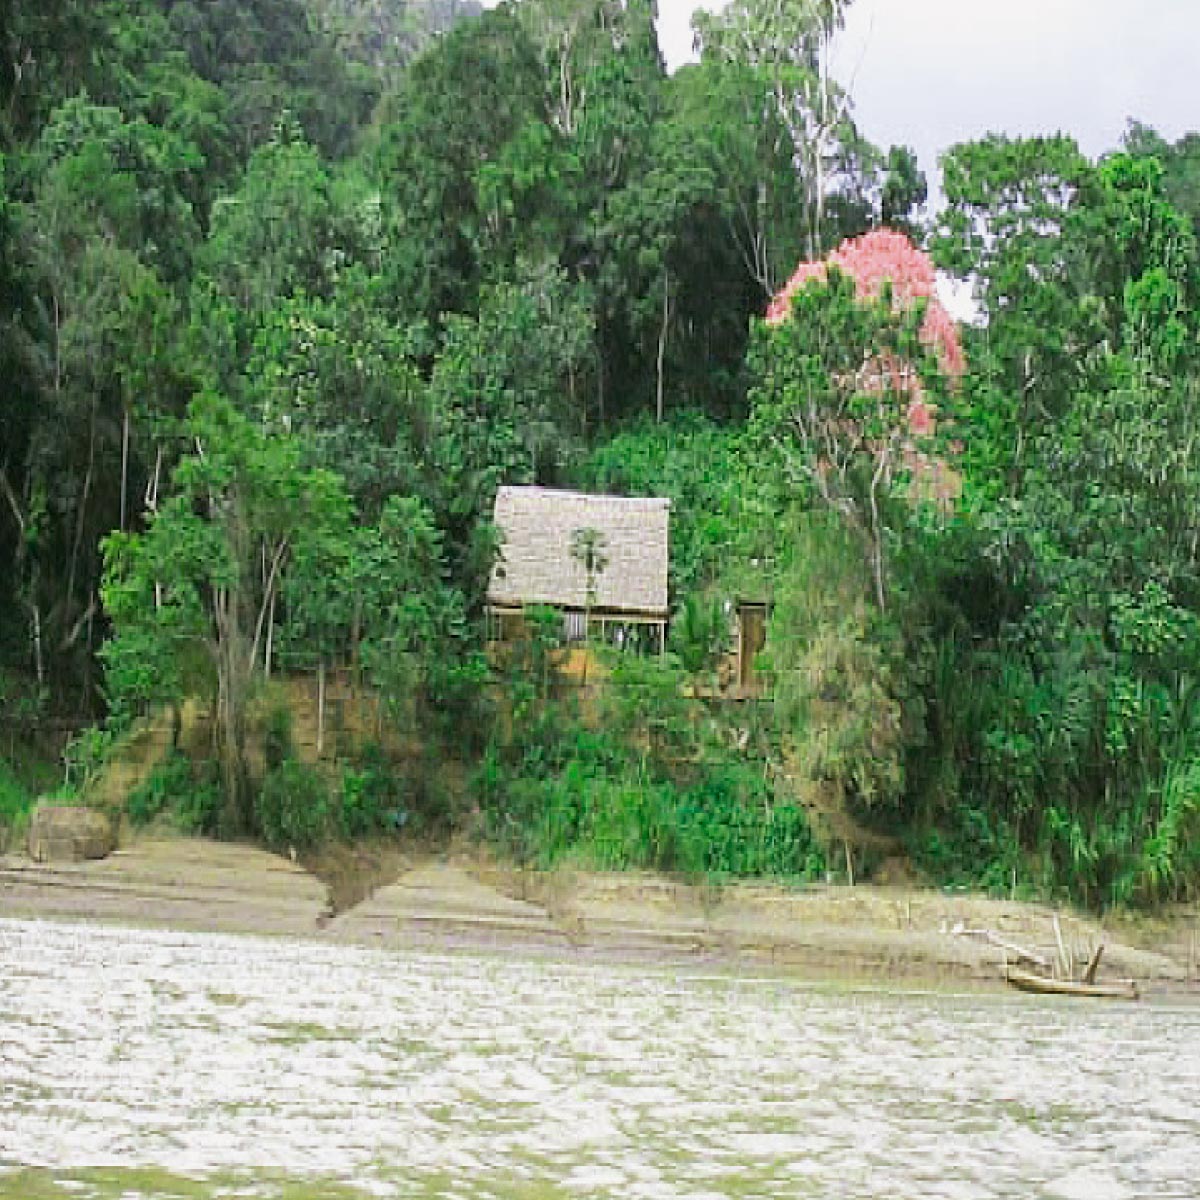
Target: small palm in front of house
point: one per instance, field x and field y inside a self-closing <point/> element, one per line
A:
<point x="588" y="546"/>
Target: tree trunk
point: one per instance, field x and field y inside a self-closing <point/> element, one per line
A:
<point x="270" y="639"/>
<point x="600" y="382"/>
<point x="124" y="464"/>
<point x="662" y="344"/>
<point x="81" y="516"/>
<point x="587" y="641"/>
<point x="39" y="665"/>
<point x="267" y="608"/>
<point x="230" y="726"/>
<point x="320" y="707"/>
<point x="876" y="536"/>
<point x="31" y="586"/>
<point x="151" y="499"/>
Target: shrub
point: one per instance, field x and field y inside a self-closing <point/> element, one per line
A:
<point x="655" y="786"/>
<point x="371" y="799"/>
<point x="700" y="634"/>
<point x="970" y="847"/>
<point x="15" y="803"/>
<point x="188" y="793"/>
<point x="151" y="799"/>
<point x="198" y="809"/>
<point x="292" y="807"/>
<point x="731" y="826"/>
<point x="277" y="742"/>
<point x="615" y="822"/>
<point x="609" y="812"/>
<point x="87" y="752"/>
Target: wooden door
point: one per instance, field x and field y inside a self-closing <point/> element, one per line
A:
<point x="752" y="622"/>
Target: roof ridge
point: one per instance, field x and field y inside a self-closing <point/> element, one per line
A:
<point x="576" y="494"/>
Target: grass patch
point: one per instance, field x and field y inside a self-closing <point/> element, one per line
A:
<point x="16" y="803"/>
<point x="15" y="798"/>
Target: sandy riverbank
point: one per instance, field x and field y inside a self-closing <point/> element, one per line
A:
<point x="464" y="902"/>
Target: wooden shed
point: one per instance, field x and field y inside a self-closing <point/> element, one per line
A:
<point x="539" y="527"/>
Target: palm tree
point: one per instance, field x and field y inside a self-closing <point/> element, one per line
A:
<point x="587" y="549"/>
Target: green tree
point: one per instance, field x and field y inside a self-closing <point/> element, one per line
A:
<point x="458" y="106"/>
<point x="405" y="614"/>
<point x="830" y="404"/>
<point x="341" y="375"/>
<point x="95" y="342"/>
<point x="269" y="58"/>
<point x="101" y="174"/>
<point x="904" y="190"/>
<point x="505" y="398"/>
<point x="715" y="114"/>
<point x="1080" y="724"/>
<point x="47" y="52"/>
<point x="1005" y="224"/>
<point x="277" y="235"/>
<point x="194" y="594"/>
<point x="840" y="683"/>
<point x="1180" y="162"/>
<point x="787" y="47"/>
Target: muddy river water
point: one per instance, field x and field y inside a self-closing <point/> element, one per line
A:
<point x="136" y="1063"/>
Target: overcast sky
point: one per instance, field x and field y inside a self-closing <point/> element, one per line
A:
<point x="929" y="73"/>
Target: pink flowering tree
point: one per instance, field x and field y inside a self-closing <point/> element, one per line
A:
<point x="847" y="369"/>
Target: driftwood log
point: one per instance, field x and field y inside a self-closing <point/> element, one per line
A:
<point x="1019" y="953"/>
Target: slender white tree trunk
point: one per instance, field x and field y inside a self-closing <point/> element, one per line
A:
<point x="270" y="638"/>
<point x="124" y="464"/>
<point x="320" y="708"/>
<point x="662" y="345"/>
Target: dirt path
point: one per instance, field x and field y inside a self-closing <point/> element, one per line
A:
<point x="463" y="902"/>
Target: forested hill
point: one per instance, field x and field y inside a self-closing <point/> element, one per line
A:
<point x="325" y="61"/>
<point x="289" y="288"/>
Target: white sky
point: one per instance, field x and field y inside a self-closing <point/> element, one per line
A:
<point x="929" y="73"/>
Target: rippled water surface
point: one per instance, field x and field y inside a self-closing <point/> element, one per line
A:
<point x="138" y="1063"/>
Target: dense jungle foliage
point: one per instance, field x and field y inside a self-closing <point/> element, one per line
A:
<point x="288" y="288"/>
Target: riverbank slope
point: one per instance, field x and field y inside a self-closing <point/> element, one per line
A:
<point x="464" y="901"/>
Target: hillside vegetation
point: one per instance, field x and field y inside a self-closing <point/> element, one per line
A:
<point x="289" y="288"/>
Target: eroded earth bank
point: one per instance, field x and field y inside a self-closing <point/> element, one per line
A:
<point x="462" y="901"/>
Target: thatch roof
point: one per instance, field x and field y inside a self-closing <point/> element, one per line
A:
<point x="536" y="565"/>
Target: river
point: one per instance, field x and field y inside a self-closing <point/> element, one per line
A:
<point x="140" y="1063"/>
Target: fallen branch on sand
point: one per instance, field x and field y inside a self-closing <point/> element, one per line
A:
<point x="1019" y="953"/>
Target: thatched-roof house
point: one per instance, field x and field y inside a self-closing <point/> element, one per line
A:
<point x="537" y="567"/>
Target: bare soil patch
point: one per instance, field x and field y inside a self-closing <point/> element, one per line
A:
<point x="354" y="873"/>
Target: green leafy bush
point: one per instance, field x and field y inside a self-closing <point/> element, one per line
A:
<point x="371" y="799"/>
<point x="277" y="742"/>
<point x="970" y="847"/>
<point x="292" y="808"/>
<point x="87" y="752"/>
<point x="613" y="822"/>
<point x="15" y="800"/>
<point x="588" y="795"/>
<point x="186" y="793"/>
<point x="1169" y="865"/>
<point x="731" y="825"/>
<point x="198" y="809"/>
<point x="700" y="633"/>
